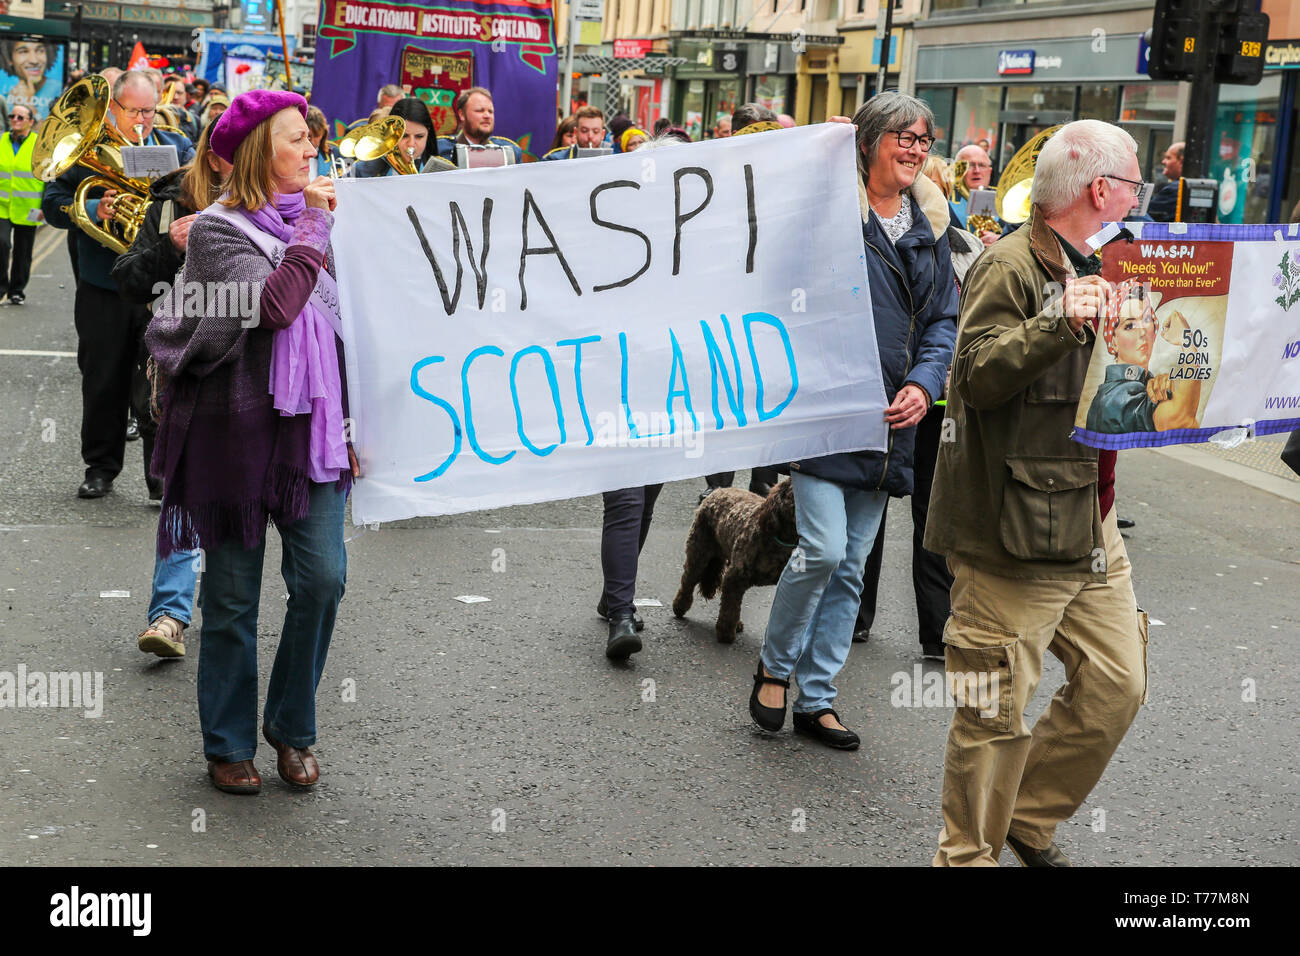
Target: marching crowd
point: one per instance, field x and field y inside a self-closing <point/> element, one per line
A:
<point x="1016" y="546"/>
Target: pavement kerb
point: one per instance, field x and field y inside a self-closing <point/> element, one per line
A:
<point x="1273" y="484"/>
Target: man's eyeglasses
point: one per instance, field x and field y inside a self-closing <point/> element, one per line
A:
<point x="970" y="165"/>
<point x="142" y="114"/>
<point x="1137" y="184"/>
<point x="906" y="139"/>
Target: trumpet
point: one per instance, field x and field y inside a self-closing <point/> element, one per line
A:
<point x="380" y="141"/>
<point x="76" y="134"/>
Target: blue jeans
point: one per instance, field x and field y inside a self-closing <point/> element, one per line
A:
<point x="810" y="629"/>
<point x="174" y="578"/>
<point x="314" y="567"/>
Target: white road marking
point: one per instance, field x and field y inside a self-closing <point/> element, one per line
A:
<point x="37" y="353"/>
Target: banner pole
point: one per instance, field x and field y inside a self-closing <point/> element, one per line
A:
<point x="284" y="45"/>
<point x="566" y="100"/>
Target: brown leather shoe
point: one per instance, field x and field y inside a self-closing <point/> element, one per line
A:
<point x="296" y="765"/>
<point x="239" y="776"/>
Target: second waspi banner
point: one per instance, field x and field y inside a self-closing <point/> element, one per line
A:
<point x="552" y="330"/>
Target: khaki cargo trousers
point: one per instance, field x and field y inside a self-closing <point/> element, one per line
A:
<point x="998" y="775"/>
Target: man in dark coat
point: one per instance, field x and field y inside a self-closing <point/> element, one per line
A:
<point x="109" y="330"/>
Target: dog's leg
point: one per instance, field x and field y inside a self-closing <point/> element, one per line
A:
<point x="699" y="549"/>
<point x="734" y="587"/>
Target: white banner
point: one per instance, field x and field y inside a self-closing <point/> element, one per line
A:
<point x="558" y="329"/>
<point x="1202" y="336"/>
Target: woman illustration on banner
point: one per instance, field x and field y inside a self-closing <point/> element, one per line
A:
<point x="31" y="73"/>
<point x="1139" y="393"/>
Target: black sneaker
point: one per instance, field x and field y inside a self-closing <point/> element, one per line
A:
<point x="1028" y="856"/>
<point x="132" y="429"/>
<point x="839" y="739"/>
<point x="623" y="639"/>
<point x="17" y="298"/>
<point x="862" y="635"/>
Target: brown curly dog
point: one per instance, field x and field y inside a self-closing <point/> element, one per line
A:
<point x="738" y="540"/>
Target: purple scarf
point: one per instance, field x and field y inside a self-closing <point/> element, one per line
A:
<point x="304" y="361"/>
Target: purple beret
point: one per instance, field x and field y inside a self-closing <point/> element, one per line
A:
<point x="244" y="113"/>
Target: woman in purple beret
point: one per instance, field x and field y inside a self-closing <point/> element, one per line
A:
<point x="253" y="432"/>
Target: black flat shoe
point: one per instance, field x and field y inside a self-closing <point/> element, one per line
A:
<point x="132" y="429"/>
<point x="862" y="635"/>
<point x="770" y="719"/>
<point x="602" y="609"/>
<point x="839" y="739"/>
<point x="95" y="487"/>
<point x="623" y="639"/>
<point x="1125" y="522"/>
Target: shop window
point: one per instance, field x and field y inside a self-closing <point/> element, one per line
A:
<point x="975" y="116"/>
<point x="1149" y="103"/>
<point x="1098" y="101"/>
<point x="307" y="38"/>
<point x="770" y="91"/>
<point x="940" y="101"/>
<point x="1037" y="99"/>
<point x="1242" y="148"/>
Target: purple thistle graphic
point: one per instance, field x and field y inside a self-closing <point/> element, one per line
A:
<point x="1295" y="257"/>
<point x="1277" y="280"/>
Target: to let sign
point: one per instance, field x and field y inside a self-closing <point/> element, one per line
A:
<point x="630" y="49"/>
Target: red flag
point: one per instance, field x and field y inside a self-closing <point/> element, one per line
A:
<point x="139" y="59"/>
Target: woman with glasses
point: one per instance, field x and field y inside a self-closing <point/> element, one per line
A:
<point x="839" y="499"/>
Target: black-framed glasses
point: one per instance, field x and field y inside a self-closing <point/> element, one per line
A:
<point x="143" y="114"/>
<point x="906" y="139"/>
<point x="1137" y="184"/>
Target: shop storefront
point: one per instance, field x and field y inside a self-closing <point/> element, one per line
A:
<point x="858" y="64"/>
<point x="1001" y="95"/>
<point x="795" y="74"/>
<point x="1254" y="155"/>
<point x="109" y="31"/>
<point x="710" y="84"/>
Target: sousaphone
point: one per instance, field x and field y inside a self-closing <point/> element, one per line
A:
<point x="1016" y="184"/>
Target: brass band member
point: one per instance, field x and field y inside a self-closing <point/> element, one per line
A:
<point x="475" y="121"/>
<point x="109" y="330"/>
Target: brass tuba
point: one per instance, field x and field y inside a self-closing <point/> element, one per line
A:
<point x="75" y="133"/>
<point x="1016" y="184"/>
<point x="379" y="141"/>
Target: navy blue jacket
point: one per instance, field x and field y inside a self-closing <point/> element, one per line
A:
<point x="914" y="304"/>
<point x="1164" y="204"/>
<point x="95" y="262"/>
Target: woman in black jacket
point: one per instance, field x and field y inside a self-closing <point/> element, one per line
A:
<point x="154" y="260"/>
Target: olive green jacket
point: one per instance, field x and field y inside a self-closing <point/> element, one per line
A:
<point x="1012" y="493"/>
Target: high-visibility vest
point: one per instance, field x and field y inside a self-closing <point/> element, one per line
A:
<point x="20" y="191"/>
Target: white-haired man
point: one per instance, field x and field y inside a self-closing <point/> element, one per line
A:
<point x="979" y="170"/>
<point x="1026" y="519"/>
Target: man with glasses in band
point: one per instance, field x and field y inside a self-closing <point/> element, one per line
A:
<point x="110" y="331"/>
<point x="979" y="171"/>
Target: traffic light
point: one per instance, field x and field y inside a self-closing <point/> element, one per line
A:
<point x="1178" y="42"/>
<point x="1241" y="49"/>
<point x="1190" y="38"/>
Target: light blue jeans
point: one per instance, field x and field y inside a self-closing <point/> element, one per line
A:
<point x="810" y="629"/>
<point x="174" y="578"/>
